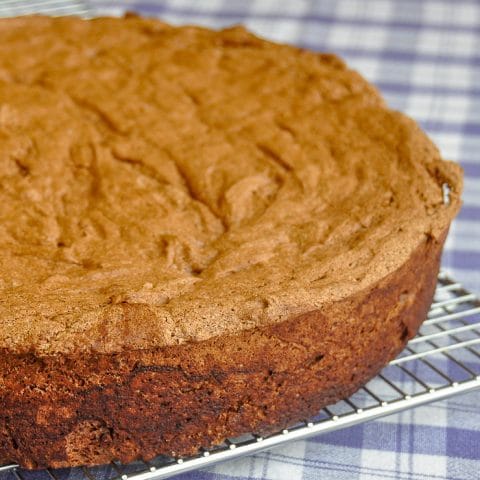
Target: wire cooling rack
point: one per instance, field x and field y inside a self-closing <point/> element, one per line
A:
<point x="12" y="8"/>
<point x="441" y="361"/>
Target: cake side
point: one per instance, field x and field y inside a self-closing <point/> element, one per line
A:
<point x="62" y="411"/>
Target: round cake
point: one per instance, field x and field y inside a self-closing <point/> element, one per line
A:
<point x="202" y="234"/>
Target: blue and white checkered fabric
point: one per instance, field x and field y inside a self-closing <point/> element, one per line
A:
<point x="425" y="58"/>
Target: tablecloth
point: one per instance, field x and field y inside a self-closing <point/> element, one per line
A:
<point x="425" y="58"/>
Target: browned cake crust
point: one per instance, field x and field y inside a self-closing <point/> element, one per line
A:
<point x="57" y="411"/>
<point x="202" y="234"/>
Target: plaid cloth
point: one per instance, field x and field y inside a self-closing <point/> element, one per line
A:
<point x="425" y="58"/>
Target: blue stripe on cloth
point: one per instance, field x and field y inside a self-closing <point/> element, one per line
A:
<point x="397" y="55"/>
<point x="464" y="128"/>
<point x="205" y="475"/>
<point x="387" y="436"/>
<point x="471" y="169"/>
<point x="463" y="443"/>
<point x="463" y="259"/>
<point x="409" y="88"/>
<point x="470" y="213"/>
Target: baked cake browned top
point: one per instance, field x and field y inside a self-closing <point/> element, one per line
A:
<point x="161" y="184"/>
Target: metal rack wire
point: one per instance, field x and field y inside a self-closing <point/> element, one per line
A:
<point x="13" y="8"/>
<point x="441" y="361"/>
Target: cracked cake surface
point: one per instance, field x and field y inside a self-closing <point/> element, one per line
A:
<point x="160" y="185"/>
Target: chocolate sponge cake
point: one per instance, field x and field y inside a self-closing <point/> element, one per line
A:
<point x="202" y="234"/>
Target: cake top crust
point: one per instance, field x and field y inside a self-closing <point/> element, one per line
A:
<point x="164" y="184"/>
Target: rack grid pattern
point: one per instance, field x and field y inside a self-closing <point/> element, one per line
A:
<point x="13" y="8"/>
<point x="441" y="361"/>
